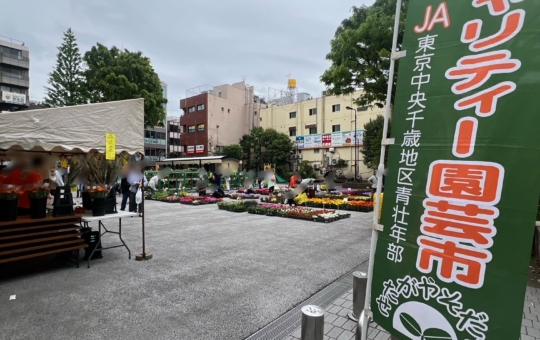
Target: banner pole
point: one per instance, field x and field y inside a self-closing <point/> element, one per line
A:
<point x="364" y="319"/>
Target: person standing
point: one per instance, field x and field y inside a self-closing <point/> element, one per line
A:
<point x="271" y="185"/>
<point x="55" y="180"/>
<point x="124" y="188"/>
<point x="228" y="183"/>
<point x="136" y="179"/>
<point x="373" y="180"/>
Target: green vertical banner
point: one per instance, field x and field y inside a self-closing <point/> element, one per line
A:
<point x="463" y="177"/>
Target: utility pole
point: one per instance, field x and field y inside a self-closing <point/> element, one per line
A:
<point x="355" y="145"/>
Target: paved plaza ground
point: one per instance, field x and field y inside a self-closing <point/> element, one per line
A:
<point x="215" y="275"/>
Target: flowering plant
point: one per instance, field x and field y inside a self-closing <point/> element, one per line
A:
<point x="11" y="193"/>
<point x="98" y="192"/>
<point x="38" y="192"/>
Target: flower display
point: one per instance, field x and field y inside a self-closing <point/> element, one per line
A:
<point x="199" y="200"/>
<point x="354" y="205"/>
<point x="98" y="192"/>
<point x="38" y="192"/>
<point x="244" y="196"/>
<point x="10" y="194"/>
<point x="298" y="212"/>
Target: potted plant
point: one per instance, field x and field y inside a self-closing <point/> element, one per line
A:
<point x="38" y="201"/>
<point x="98" y="196"/>
<point x="9" y="201"/>
<point x="104" y="173"/>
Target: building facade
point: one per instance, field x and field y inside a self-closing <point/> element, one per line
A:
<point x="155" y="139"/>
<point x="173" y="135"/>
<point x="323" y="130"/>
<point x="14" y="75"/>
<point x="217" y="116"/>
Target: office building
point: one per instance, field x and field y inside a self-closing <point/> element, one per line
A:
<point x="217" y="116"/>
<point x="155" y="139"/>
<point x="14" y="71"/>
<point x="323" y="130"/>
<point x="173" y="135"/>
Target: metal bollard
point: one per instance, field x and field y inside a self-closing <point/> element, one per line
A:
<point x="312" y="323"/>
<point x="359" y="295"/>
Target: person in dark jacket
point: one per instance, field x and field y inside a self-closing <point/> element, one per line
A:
<point x="124" y="188"/>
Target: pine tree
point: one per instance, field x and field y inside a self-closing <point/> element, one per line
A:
<point x="67" y="85"/>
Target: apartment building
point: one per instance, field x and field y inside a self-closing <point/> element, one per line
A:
<point x="217" y="116"/>
<point x="173" y="135"/>
<point x="14" y="79"/>
<point x="155" y="138"/>
<point x="323" y="130"/>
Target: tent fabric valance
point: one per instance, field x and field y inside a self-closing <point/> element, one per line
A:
<point x="75" y="129"/>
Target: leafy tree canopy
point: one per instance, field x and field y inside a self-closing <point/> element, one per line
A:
<point x="306" y="170"/>
<point x="233" y="150"/>
<point x="66" y="81"/>
<point x="113" y="74"/>
<point x="360" y="53"/>
<point x="371" y="149"/>
<point x="266" y="147"/>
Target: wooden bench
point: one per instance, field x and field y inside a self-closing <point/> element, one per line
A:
<point x="27" y="238"/>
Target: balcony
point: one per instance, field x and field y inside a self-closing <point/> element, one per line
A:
<point x="14" y="79"/>
<point x="10" y="59"/>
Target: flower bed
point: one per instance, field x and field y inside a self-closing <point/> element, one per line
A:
<point x="258" y="191"/>
<point x="165" y="196"/>
<point x="298" y="212"/>
<point x="354" y="205"/>
<point x="241" y="206"/>
<point x="244" y="196"/>
<point x="199" y="200"/>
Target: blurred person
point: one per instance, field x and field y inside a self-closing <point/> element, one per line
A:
<point x="136" y="180"/>
<point x="271" y="185"/>
<point x="373" y="180"/>
<point x="55" y="181"/>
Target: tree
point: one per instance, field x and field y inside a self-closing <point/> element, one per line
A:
<point x="340" y="164"/>
<point x="114" y="74"/>
<point x="233" y="150"/>
<point x="360" y="53"/>
<point x="371" y="149"/>
<point x="266" y="147"/>
<point x="66" y="81"/>
<point x="306" y="170"/>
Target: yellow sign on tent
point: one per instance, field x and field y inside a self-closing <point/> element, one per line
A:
<point x="63" y="163"/>
<point x="110" y="146"/>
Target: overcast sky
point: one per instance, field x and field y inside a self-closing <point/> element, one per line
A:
<point x="189" y="42"/>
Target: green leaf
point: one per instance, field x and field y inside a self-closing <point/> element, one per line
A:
<point x="435" y="333"/>
<point x="410" y="324"/>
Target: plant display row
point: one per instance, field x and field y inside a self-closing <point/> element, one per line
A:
<point x="302" y="213"/>
<point x="237" y="206"/>
<point x="199" y="200"/>
<point x="245" y="196"/>
<point x="356" y="194"/>
<point x="263" y="191"/>
<point x="356" y="205"/>
<point x="165" y="196"/>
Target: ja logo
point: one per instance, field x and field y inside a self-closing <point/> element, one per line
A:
<point x="419" y="321"/>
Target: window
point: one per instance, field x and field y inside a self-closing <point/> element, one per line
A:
<point x="147" y="134"/>
<point x="316" y="150"/>
<point x="292" y="133"/>
<point x="335" y="108"/>
<point x="336" y="128"/>
<point x="191" y="129"/>
<point x="292" y="115"/>
<point x="362" y="108"/>
<point x="191" y="109"/>
<point x="228" y="110"/>
<point x="183" y="129"/>
<point x="313" y="130"/>
<point x="255" y="113"/>
<point x="312" y="112"/>
<point x="261" y="119"/>
<point x="200" y="107"/>
<point x="219" y="94"/>
<point x="222" y="109"/>
<point x="200" y="127"/>
<point x="12" y="89"/>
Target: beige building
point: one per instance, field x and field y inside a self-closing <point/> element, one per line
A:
<point x="217" y="116"/>
<point x="323" y="130"/>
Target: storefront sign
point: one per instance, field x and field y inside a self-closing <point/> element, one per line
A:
<point x="300" y="142"/>
<point x="13" y="98"/>
<point x="462" y="187"/>
<point x="200" y="148"/>
<point x="110" y="146"/>
<point x="336" y="139"/>
<point x="154" y="158"/>
<point x="154" y="141"/>
<point x="190" y="149"/>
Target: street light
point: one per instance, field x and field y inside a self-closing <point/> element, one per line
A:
<point x="355" y="145"/>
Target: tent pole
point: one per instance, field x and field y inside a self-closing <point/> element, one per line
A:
<point x="363" y="320"/>
<point x="144" y="256"/>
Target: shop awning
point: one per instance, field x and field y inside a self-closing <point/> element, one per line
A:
<point x="196" y="160"/>
<point x="75" y="129"/>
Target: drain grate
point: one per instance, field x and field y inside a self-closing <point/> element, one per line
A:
<point x="290" y="321"/>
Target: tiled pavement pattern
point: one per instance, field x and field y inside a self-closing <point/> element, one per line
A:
<point x="339" y="326"/>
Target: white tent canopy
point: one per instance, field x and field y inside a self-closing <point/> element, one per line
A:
<point x="75" y="129"/>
